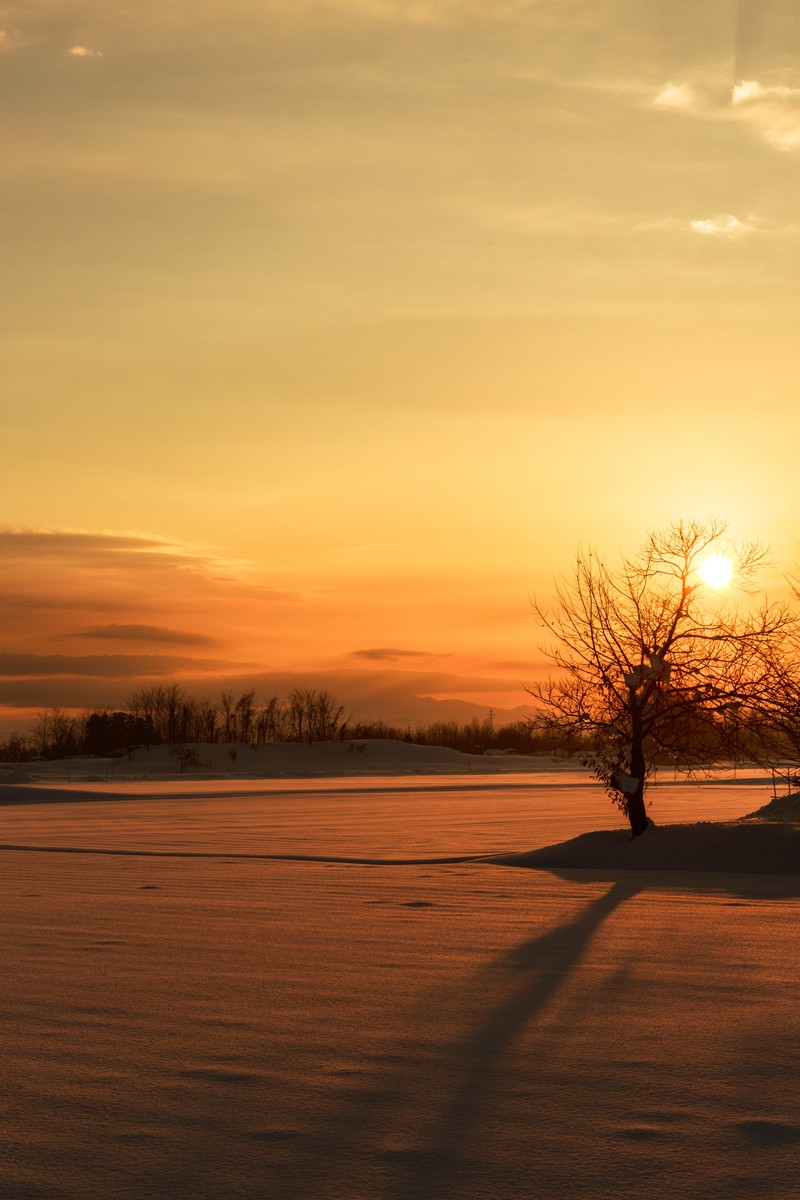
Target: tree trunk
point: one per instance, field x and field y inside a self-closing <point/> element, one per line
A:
<point x="635" y="807"/>
<point x="636" y="811"/>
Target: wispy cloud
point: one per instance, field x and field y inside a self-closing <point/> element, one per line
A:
<point x="12" y="39"/>
<point x="144" y="633"/>
<point x="748" y="89"/>
<point x="772" y="111"/>
<point x="106" y="666"/>
<point x="391" y="653"/>
<point x="109" y="550"/>
<point x="676" y="96"/>
<point x="84" y="52"/>
<point x="751" y="89"/>
<point x="726" y="226"/>
<point x="530" y="666"/>
<point x="564" y="221"/>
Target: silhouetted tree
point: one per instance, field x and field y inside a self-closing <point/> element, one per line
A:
<point x="108" y="732"/>
<point x="244" y="716"/>
<point x="270" y="722"/>
<point x="207" y="714"/>
<point x="312" y="716"/>
<point x="58" y="734"/>
<point x="296" y="715"/>
<point x="16" y="748"/>
<point x="228" y="718"/>
<point x="166" y="709"/>
<point x="650" y="660"/>
<point x="324" y="715"/>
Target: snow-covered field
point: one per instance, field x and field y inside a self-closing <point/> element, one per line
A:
<point x="233" y="1025"/>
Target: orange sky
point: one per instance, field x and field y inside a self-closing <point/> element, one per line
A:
<point x="330" y="328"/>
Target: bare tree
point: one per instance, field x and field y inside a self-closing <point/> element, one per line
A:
<point x="325" y="714"/>
<point x="296" y="715"/>
<point x="207" y="713"/>
<point x="651" y="661"/>
<point x="270" y="721"/>
<point x="244" y="716"/>
<point x="312" y="716"/>
<point x="58" y="734"/>
<point x="226" y="704"/>
<point x="166" y="709"/>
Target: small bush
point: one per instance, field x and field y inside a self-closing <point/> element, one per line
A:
<point x="186" y="757"/>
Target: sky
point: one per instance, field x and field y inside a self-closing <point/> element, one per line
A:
<point x="331" y="328"/>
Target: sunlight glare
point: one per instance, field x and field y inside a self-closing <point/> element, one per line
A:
<point x="716" y="571"/>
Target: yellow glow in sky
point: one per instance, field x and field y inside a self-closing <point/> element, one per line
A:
<point x="355" y="318"/>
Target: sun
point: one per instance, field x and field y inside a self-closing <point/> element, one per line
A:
<point x="716" y="571"/>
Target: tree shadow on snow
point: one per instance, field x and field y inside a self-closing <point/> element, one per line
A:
<point x="512" y="994"/>
<point x="515" y="993"/>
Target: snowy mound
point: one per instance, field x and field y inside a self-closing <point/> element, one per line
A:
<point x="735" y="847"/>
<point x="782" y="808"/>
<point x="376" y="756"/>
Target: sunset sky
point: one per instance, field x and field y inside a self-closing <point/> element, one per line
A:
<point x="330" y="328"/>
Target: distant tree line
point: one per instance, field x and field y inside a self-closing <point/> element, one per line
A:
<point x="473" y="737"/>
<point x="168" y="715"/>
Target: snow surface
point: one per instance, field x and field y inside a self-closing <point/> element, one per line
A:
<point x="253" y="1027"/>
